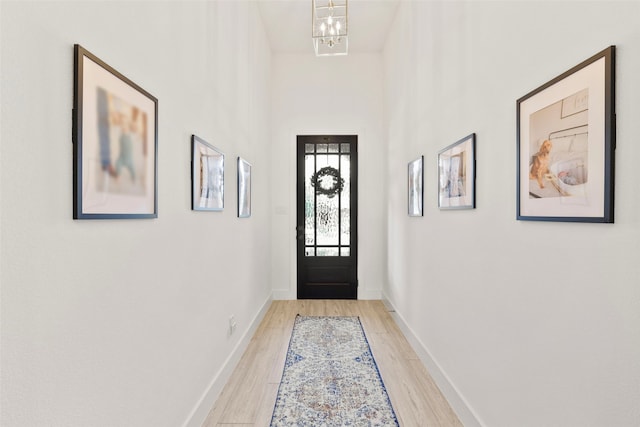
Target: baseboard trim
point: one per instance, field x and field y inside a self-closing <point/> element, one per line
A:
<point x="367" y="294"/>
<point x="362" y="295"/>
<point x="282" y="294"/>
<point x="458" y="403"/>
<point x="199" y="413"/>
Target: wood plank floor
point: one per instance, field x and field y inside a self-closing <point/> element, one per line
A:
<point x="249" y="396"/>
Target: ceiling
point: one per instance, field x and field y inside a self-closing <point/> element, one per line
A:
<point x="288" y="24"/>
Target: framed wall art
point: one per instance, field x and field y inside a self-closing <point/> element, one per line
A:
<point x="207" y="176"/>
<point x="566" y="145"/>
<point x="457" y="174"/>
<point x="416" y="187"/>
<point x="244" y="188"/>
<point x="115" y="141"/>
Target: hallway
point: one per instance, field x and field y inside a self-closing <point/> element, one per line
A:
<point x="249" y="396"/>
<point x="126" y="323"/>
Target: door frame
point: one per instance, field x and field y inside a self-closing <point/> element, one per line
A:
<point x="299" y="216"/>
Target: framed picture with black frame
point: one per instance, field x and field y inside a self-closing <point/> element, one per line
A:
<point x="244" y="188"/>
<point x="457" y="174"/>
<point x="207" y="176"/>
<point x="566" y="145"/>
<point x="115" y="141"/>
<point x="416" y="187"/>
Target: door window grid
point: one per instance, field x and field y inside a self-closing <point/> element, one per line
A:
<point x="329" y="155"/>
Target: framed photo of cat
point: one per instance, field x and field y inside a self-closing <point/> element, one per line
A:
<point x="566" y="145"/>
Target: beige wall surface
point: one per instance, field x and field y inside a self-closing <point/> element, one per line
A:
<point x="125" y="322"/>
<point x="526" y="323"/>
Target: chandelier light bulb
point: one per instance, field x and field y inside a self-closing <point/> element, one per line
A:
<point x="330" y="20"/>
<point x="338" y="26"/>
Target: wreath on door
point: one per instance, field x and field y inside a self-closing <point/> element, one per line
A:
<point x="327" y="181"/>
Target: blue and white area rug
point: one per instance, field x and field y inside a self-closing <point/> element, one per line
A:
<point x="330" y="378"/>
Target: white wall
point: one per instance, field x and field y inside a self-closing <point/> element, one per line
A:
<point x="328" y="96"/>
<point x="531" y="323"/>
<point x="124" y="322"/>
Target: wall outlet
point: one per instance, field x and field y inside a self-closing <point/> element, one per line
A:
<point x="232" y="324"/>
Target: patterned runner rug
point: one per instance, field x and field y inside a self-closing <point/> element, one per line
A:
<point x="330" y="377"/>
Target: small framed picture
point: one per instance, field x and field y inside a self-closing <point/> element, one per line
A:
<point x="115" y="141"/>
<point x="416" y="186"/>
<point x="207" y="176"/>
<point x="566" y="145"/>
<point x="457" y="175"/>
<point x="244" y="188"/>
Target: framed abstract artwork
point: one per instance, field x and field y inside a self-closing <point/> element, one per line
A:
<point x="244" y="188"/>
<point x="416" y="187"/>
<point x="115" y="141"/>
<point x="566" y="145"/>
<point x="457" y="174"/>
<point x="207" y="176"/>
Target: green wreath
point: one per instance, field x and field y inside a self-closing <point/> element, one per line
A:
<point x="319" y="183"/>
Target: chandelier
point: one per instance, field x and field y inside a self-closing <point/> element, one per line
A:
<point x="329" y="27"/>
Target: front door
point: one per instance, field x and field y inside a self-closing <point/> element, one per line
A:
<point x="327" y="213"/>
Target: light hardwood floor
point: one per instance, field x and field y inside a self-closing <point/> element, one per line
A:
<point x="249" y="396"/>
